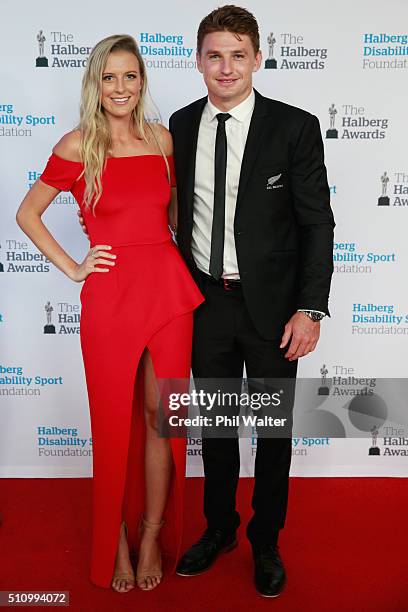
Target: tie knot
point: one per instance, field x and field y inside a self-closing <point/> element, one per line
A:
<point x="223" y="117"/>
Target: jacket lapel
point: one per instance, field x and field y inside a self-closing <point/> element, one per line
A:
<point x="190" y="150"/>
<point x="253" y="144"/>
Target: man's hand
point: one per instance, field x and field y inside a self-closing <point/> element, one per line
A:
<point x="303" y="334"/>
<point x="81" y="221"/>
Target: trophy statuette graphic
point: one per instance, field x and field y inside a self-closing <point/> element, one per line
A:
<point x="374" y="450"/>
<point x="49" y="328"/>
<point x="271" y="61"/>
<point x="332" y="132"/>
<point x="41" y="61"/>
<point x="323" y="389"/>
<point x="384" y="200"/>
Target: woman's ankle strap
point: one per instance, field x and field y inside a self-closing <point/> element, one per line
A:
<point x="151" y="525"/>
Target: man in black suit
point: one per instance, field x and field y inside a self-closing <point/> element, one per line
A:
<point x="256" y="230"/>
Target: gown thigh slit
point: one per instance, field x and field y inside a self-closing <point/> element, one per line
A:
<point x="168" y="362"/>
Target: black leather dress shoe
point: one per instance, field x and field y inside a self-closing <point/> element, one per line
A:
<point x="203" y="553"/>
<point x="270" y="576"/>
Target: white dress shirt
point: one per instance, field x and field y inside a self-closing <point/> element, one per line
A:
<point x="236" y="129"/>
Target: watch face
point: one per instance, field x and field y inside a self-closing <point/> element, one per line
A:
<point x="315" y="316"/>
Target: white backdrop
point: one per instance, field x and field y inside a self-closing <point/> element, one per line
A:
<point x="350" y="54"/>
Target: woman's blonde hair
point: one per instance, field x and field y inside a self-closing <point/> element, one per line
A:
<point x="96" y="140"/>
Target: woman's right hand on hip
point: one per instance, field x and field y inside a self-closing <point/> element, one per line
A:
<point x="96" y="257"/>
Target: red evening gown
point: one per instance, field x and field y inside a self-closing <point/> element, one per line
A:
<point x="146" y="300"/>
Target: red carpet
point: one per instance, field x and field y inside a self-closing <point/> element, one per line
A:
<point x="344" y="546"/>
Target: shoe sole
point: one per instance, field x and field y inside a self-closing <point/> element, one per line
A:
<point x="269" y="596"/>
<point x="272" y="596"/>
<point x="227" y="549"/>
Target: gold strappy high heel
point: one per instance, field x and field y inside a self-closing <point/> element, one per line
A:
<point x="128" y="577"/>
<point x="148" y="578"/>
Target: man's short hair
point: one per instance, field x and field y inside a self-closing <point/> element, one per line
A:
<point x="229" y="18"/>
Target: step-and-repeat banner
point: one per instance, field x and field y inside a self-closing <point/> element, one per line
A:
<point x="346" y="62"/>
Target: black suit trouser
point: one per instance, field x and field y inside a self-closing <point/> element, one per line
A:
<point x="224" y="339"/>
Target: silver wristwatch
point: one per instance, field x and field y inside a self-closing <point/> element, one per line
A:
<point x="315" y="315"/>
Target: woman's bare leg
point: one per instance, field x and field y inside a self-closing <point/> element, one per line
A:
<point x="158" y="471"/>
<point x="123" y="577"/>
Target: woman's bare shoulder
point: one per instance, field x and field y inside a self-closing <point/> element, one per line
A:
<point x="68" y="146"/>
<point x="164" y="137"/>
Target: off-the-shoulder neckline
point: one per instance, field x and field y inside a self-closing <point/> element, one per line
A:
<point x="71" y="161"/>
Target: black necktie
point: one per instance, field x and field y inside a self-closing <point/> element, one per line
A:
<point x="218" y="223"/>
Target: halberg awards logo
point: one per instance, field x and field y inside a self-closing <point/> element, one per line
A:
<point x="369" y="414"/>
<point x="41" y="61"/>
<point x="323" y="389"/>
<point x="344" y="383"/>
<point x="384" y="200"/>
<point x="49" y="328"/>
<point x="19" y="256"/>
<point x="332" y="132"/>
<point x="294" y="55"/>
<point x="271" y="61"/>
<point x="391" y="437"/>
<point x="68" y="318"/>
<point x="394" y="190"/>
<point x="367" y="411"/>
<point x="63" y="51"/>
<point x="355" y="124"/>
<point x="374" y="450"/>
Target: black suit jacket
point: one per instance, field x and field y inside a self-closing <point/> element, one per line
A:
<point x="283" y="227"/>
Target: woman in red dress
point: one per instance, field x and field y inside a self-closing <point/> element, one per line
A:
<point x="137" y="306"/>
